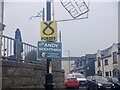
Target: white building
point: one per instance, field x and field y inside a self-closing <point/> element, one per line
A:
<point x="107" y="62"/>
<point x="65" y="64"/>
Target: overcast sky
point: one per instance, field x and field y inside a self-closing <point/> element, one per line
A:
<point x="80" y="37"/>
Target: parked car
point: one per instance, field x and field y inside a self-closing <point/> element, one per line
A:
<point x="115" y="81"/>
<point x="81" y="78"/>
<point x="71" y="83"/>
<point x="69" y="75"/>
<point x="98" y="83"/>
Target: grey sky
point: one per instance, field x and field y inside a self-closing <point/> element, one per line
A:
<point x="80" y="37"/>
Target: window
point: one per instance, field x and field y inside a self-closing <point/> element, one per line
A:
<point x="114" y="57"/>
<point x="99" y="63"/>
<point x="99" y="73"/>
<point x="84" y="62"/>
<point x="80" y="63"/>
<point x="107" y="74"/>
<point x="110" y="73"/>
<point x="77" y="64"/>
<point x="116" y="73"/>
<point x="106" y="62"/>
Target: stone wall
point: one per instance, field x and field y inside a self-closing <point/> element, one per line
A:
<point x="28" y="75"/>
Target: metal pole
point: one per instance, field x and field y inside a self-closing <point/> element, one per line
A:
<point x="1" y="21"/>
<point x="53" y="14"/>
<point x="1" y="33"/>
<point x="69" y="60"/>
<point x="60" y="36"/>
<point x="48" y="19"/>
<point x="48" y="8"/>
<point x="60" y="41"/>
<point x="43" y="15"/>
<point x="49" y="76"/>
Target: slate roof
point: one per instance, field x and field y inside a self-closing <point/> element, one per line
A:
<point x="106" y="52"/>
<point x="71" y="58"/>
<point x="91" y="56"/>
<point x="118" y="48"/>
<point x="83" y="58"/>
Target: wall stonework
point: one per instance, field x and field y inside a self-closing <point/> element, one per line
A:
<point x="27" y="75"/>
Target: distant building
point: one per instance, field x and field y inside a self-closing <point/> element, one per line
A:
<point x="65" y="63"/>
<point x="85" y="65"/>
<point x="107" y="61"/>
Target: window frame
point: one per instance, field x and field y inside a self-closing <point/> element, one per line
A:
<point x="99" y="62"/>
<point x="115" y="58"/>
<point x="106" y="62"/>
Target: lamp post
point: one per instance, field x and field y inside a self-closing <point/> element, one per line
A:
<point x="69" y="59"/>
<point x="49" y="76"/>
<point x="1" y="23"/>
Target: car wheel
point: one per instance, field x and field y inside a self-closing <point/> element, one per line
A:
<point x="66" y="87"/>
<point x="96" y="88"/>
<point x="88" y="88"/>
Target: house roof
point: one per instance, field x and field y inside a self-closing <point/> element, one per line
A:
<point x="91" y="56"/>
<point x="83" y="58"/>
<point x="118" y="48"/>
<point x="106" y="52"/>
<point x="71" y="58"/>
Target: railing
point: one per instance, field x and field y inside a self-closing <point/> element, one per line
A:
<point x="8" y="48"/>
<point x="29" y="53"/>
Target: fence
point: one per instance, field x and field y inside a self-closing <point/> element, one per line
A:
<point x="29" y="53"/>
<point x="8" y="48"/>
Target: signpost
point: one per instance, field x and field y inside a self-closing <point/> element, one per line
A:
<point x="49" y="31"/>
<point x="49" y="50"/>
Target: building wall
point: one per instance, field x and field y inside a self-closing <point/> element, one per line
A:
<point x="65" y="66"/>
<point x="96" y="62"/>
<point x="115" y="49"/>
<point x="85" y="65"/>
<point x="98" y="68"/>
<point x="110" y="67"/>
<point x="119" y="61"/>
<point x="91" y="69"/>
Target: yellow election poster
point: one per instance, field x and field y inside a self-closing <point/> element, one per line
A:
<point x="49" y="31"/>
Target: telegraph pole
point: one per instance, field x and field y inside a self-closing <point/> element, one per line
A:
<point x="49" y="76"/>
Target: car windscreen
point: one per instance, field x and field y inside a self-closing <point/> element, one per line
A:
<point x="79" y="76"/>
<point x="71" y="79"/>
<point x="101" y="79"/>
<point x="115" y="80"/>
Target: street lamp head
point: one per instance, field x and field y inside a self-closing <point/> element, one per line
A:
<point x="2" y="26"/>
<point x="39" y="14"/>
<point x="88" y="68"/>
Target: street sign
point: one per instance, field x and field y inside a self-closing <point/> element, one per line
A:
<point x="49" y="50"/>
<point x="49" y="31"/>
